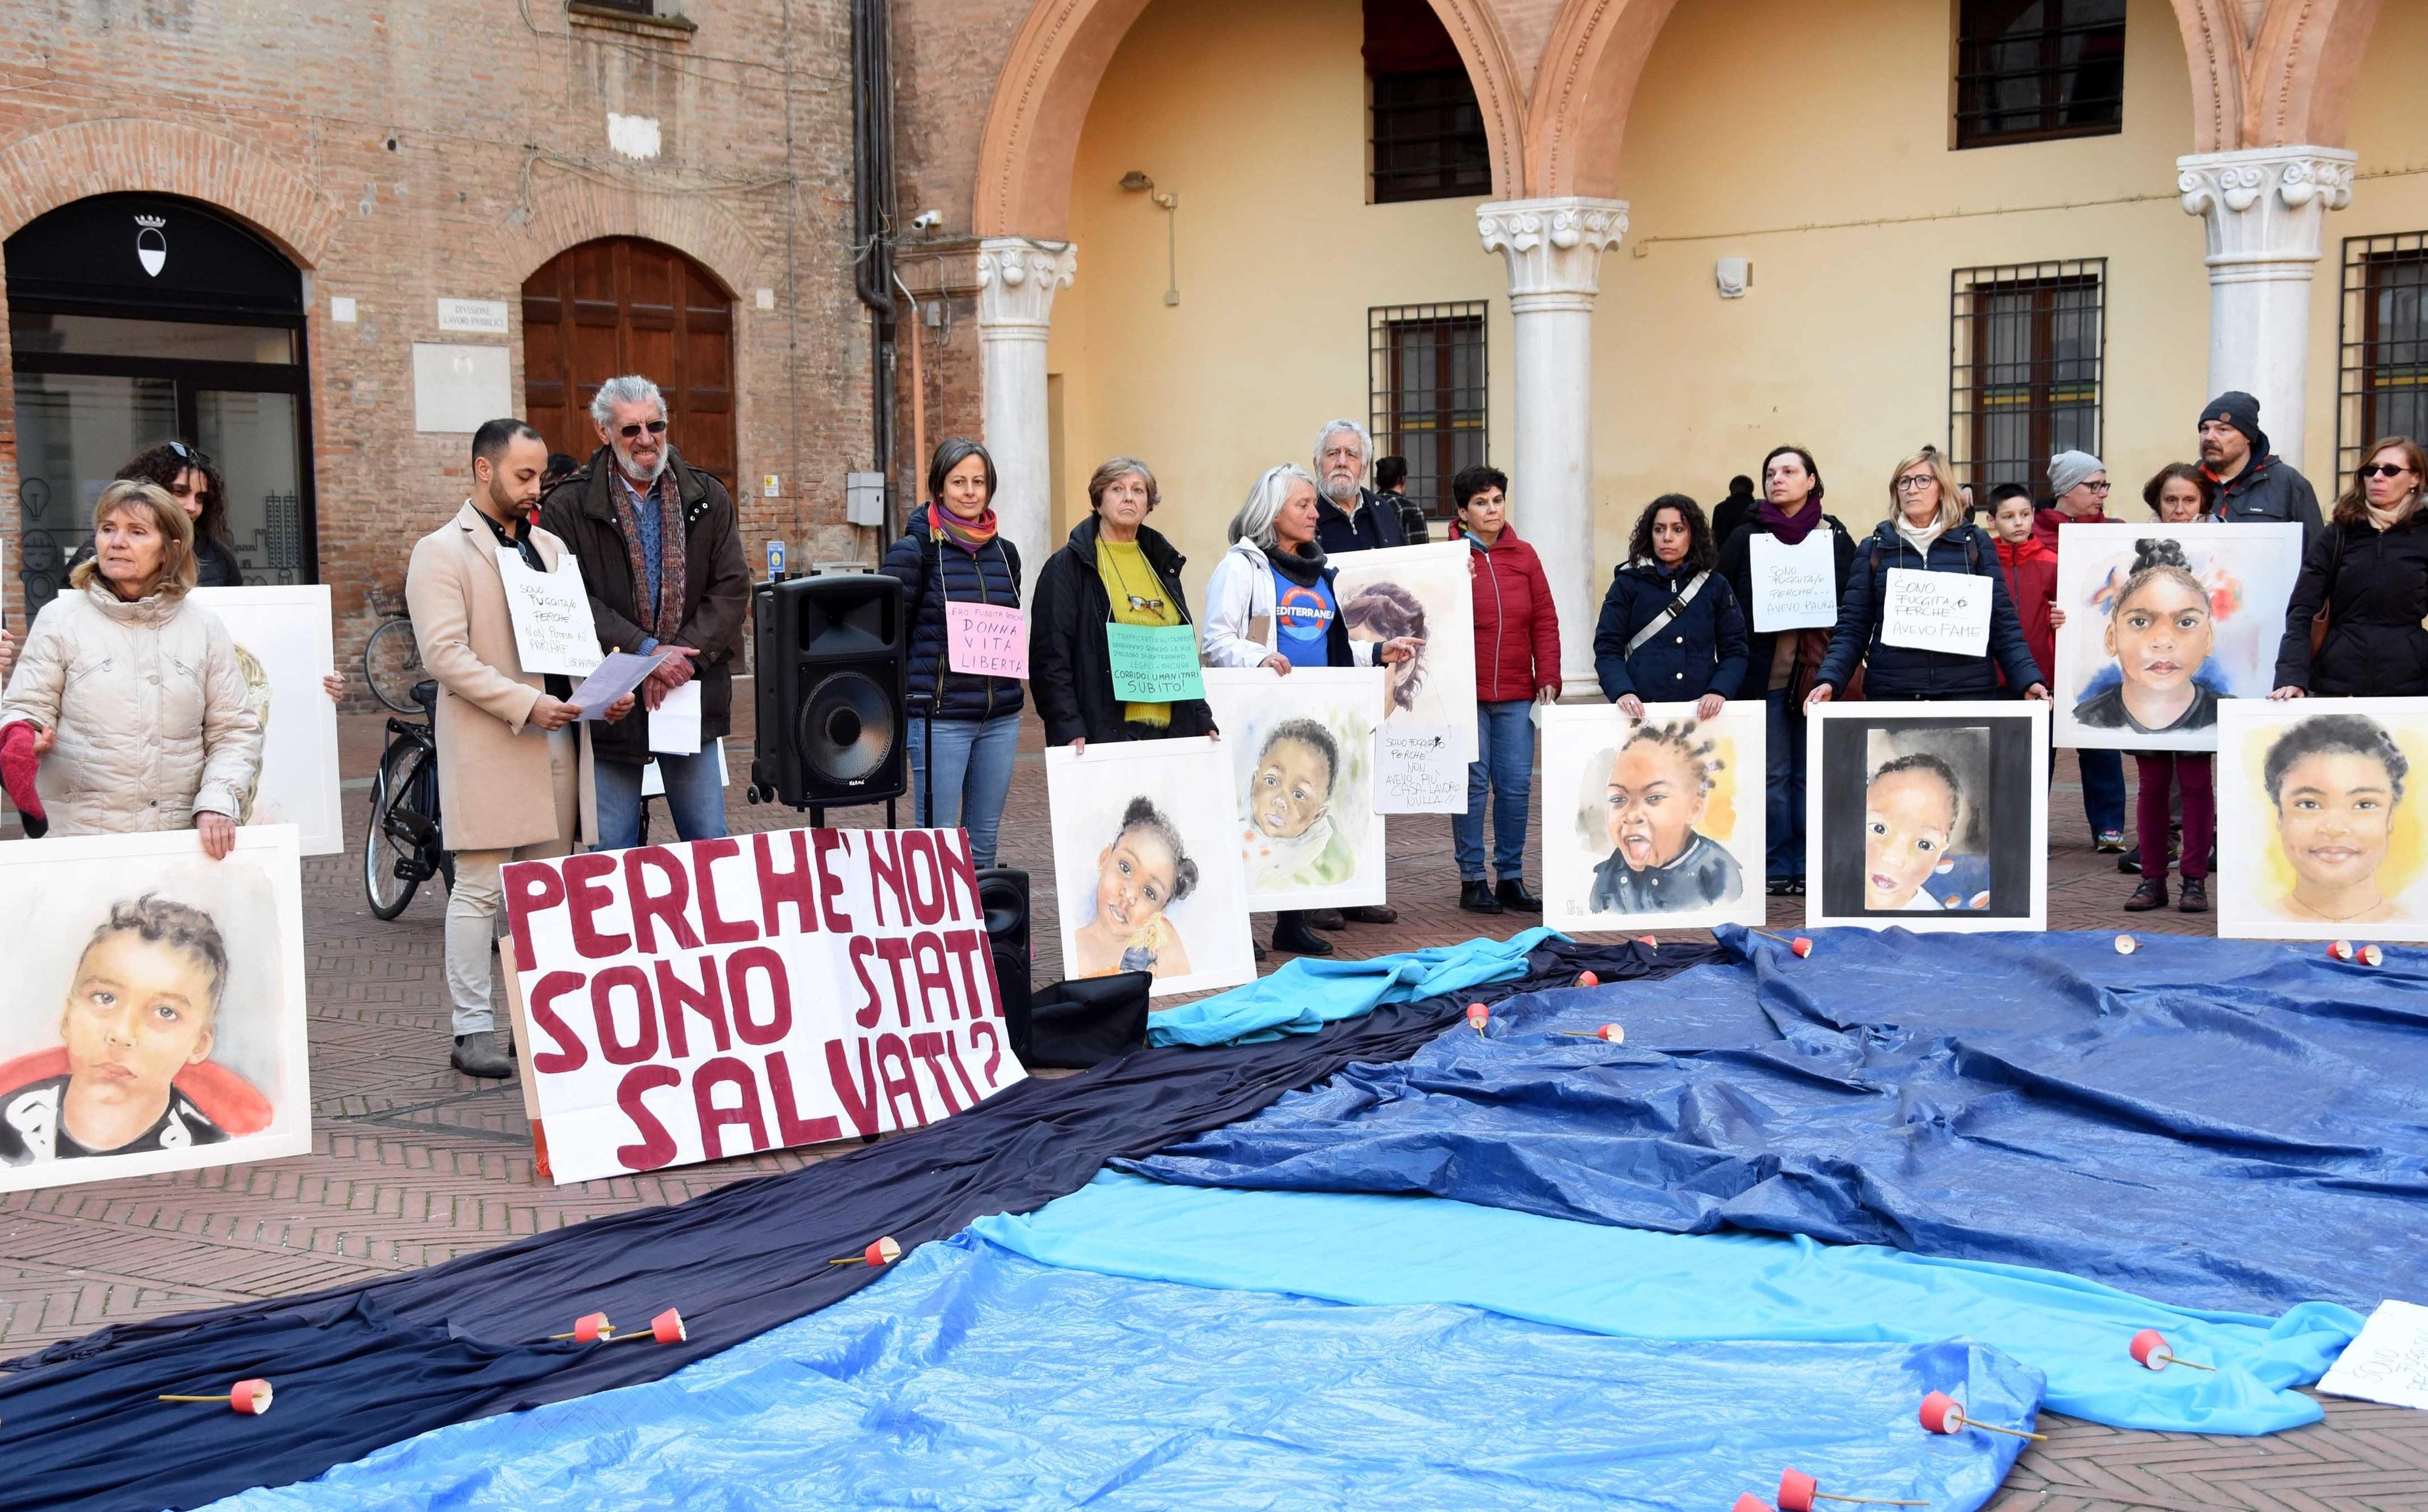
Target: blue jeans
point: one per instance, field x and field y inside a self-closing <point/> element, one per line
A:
<point x="1783" y="743"/>
<point x="973" y="761"/>
<point x="1504" y="769"/>
<point x="693" y="795"/>
<point x="2103" y="790"/>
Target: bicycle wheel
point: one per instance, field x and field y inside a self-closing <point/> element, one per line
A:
<point x="384" y="850"/>
<point x="392" y="666"/>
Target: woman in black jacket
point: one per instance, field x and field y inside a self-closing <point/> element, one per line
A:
<point x="1698" y="653"/>
<point x="2369" y="569"/>
<point x="1070" y="658"/>
<point x="187" y="476"/>
<point x="1925" y="531"/>
<point x="964" y="726"/>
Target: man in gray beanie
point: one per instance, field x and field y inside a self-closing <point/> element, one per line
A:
<point x="2252" y="482"/>
<point x="2078" y="488"/>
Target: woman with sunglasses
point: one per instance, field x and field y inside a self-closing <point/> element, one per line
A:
<point x="2368" y="570"/>
<point x="187" y="476"/>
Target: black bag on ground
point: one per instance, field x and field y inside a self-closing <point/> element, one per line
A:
<point x="1078" y="1024"/>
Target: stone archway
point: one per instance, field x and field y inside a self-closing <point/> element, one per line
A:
<point x="565" y="211"/>
<point x="45" y="172"/>
<point x="1060" y="56"/>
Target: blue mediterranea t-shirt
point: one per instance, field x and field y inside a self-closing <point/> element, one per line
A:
<point x="1303" y="622"/>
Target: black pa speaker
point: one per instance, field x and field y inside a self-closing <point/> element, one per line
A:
<point x="1003" y="894"/>
<point x="831" y="652"/>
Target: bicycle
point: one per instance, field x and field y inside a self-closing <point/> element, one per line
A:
<point x="403" y="846"/>
<point x="393" y="661"/>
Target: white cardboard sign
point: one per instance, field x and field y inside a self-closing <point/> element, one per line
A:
<point x="1794" y="588"/>
<point x="2388" y="1362"/>
<point x="284" y="641"/>
<point x="553" y="631"/>
<point x="1936" y="612"/>
<point x="1417" y="770"/>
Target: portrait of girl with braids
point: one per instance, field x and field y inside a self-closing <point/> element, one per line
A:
<point x="1659" y="786"/>
<point x="1141" y="873"/>
<point x="2162" y="623"/>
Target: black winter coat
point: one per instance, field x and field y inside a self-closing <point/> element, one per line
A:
<point x="1377" y="525"/>
<point x="581" y="512"/>
<point x="932" y="571"/>
<point x="1902" y="672"/>
<point x="1702" y="651"/>
<point x="1736" y="565"/>
<point x="2375" y="585"/>
<point x="1069" y="666"/>
<point x="2269" y="490"/>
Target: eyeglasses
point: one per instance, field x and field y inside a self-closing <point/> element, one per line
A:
<point x="1915" y="482"/>
<point x="632" y="433"/>
<point x="2384" y="469"/>
<point x="1145" y="605"/>
<point x="2101" y="486"/>
<point x="190" y="457"/>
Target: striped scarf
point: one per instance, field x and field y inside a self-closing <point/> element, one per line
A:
<point x="648" y="607"/>
<point x="969" y="535"/>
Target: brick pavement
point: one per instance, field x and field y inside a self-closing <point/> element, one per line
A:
<point x="412" y="1164"/>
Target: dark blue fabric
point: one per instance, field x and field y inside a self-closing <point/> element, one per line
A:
<point x="931" y="572"/>
<point x="1900" y="671"/>
<point x="1784" y="752"/>
<point x="2216" y="1123"/>
<point x="2103" y="789"/>
<point x="460" y="1338"/>
<point x="1377" y="527"/>
<point x="1702" y="651"/>
<point x="1502" y="773"/>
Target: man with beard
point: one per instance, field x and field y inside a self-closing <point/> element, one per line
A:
<point x="1350" y="517"/>
<point x="2252" y="482"/>
<point x="660" y="554"/>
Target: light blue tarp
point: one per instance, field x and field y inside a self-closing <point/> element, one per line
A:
<point x="1375" y="1250"/>
<point x="974" y="1378"/>
<point x="1304" y="995"/>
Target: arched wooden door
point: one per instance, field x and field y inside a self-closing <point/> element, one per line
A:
<point x="624" y="305"/>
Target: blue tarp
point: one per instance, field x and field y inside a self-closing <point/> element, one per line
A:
<point x="2216" y="1123"/>
<point x="974" y="1378"/>
<point x="1390" y="1251"/>
<point x="1305" y="994"/>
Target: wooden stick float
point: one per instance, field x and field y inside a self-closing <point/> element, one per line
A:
<point x="1798" y="1492"/>
<point x="249" y="1396"/>
<point x="884" y="1251"/>
<point x="1941" y="1414"/>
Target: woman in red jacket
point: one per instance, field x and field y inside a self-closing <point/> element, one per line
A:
<point x="1516" y="665"/>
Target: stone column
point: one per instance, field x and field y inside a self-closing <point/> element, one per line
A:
<point x="2264" y="207"/>
<point x="1553" y="248"/>
<point x="1016" y="283"/>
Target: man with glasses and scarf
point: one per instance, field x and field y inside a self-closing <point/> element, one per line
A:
<point x="660" y="554"/>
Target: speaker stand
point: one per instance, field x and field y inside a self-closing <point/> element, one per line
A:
<point x="818" y="815"/>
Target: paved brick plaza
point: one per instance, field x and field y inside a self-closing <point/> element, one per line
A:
<point x="413" y="1164"/>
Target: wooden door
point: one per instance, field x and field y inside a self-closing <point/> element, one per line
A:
<point x="624" y="305"/>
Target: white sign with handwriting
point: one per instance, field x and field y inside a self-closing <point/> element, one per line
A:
<point x="1418" y="770"/>
<point x="553" y="631"/>
<point x="1936" y="612"/>
<point x="2388" y="1362"/>
<point x="1794" y="588"/>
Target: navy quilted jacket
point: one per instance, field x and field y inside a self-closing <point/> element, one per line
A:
<point x="932" y="571"/>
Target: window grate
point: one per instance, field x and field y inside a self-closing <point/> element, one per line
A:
<point x="2038" y="69"/>
<point x="1429" y="139"/>
<point x="2026" y="359"/>
<point x="1428" y="389"/>
<point x="2382" y="332"/>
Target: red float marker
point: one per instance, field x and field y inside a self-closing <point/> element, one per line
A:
<point x="1586" y="979"/>
<point x="589" y="1328"/>
<point x="250" y="1397"/>
<point x="1477" y="1016"/>
<point x="1750" y="1502"/>
<point x="882" y="1252"/>
<point x="1648" y="941"/>
<point x="2150" y="1348"/>
<point x="2339" y="950"/>
<point x="2372" y="955"/>
<point x="1798" y="1492"/>
<point x="1609" y="1033"/>
<point x="2126" y="945"/>
<point x="1799" y="946"/>
<point x="1941" y="1414"/>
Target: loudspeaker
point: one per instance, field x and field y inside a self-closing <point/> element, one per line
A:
<point x="1003" y="895"/>
<point x="832" y="655"/>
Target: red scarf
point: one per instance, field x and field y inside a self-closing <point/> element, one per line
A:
<point x="969" y="535"/>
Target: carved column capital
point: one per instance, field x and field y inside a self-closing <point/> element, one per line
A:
<point x="1554" y="247"/>
<point x="2264" y="206"/>
<point x="1017" y="280"/>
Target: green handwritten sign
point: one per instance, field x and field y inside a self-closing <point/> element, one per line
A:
<point x="1154" y="664"/>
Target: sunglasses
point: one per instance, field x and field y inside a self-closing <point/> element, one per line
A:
<point x="2384" y="469"/>
<point x="632" y="433"/>
<point x="189" y="456"/>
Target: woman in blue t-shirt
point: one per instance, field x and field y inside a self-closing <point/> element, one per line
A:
<point x="1271" y="603"/>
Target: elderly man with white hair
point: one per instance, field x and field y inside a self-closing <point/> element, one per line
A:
<point x="1351" y="516"/>
<point x="660" y="554"/>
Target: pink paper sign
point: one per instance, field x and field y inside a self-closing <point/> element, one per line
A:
<point x="987" y="639"/>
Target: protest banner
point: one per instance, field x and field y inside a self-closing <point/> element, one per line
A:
<point x="1794" y="588"/>
<point x="722" y="997"/>
<point x="1154" y="664"/>
<point x="1936" y="612"/>
<point x="553" y="631"/>
<point x="1417" y="770"/>
<point x="986" y="639"/>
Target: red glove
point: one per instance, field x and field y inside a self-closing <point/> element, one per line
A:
<point x="18" y="765"/>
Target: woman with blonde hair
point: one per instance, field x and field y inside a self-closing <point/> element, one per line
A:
<point x="128" y="710"/>
<point x="1924" y="531"/>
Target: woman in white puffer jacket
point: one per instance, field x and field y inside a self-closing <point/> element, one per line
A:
<point x="130" y="698"/>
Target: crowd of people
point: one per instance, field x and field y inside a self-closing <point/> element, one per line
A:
<point x="124" y="710"/>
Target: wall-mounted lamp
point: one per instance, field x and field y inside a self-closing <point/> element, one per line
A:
<point x="1135" y="182"/>
<point x="1735" y="275"/>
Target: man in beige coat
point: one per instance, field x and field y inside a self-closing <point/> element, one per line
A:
<point x="507" y="757"/>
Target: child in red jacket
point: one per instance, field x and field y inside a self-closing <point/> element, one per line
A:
<point x="2031" y="573"/>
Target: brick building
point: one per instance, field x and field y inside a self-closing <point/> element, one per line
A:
<point x="320" y="241"/>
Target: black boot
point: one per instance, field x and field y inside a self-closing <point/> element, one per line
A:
<point x="1513" y="894"/>
<point x="476" y="1055"/>
<point x="1476" y="896"/>
<point x="1290" y="933"/>
<point x="2152" y="893"/>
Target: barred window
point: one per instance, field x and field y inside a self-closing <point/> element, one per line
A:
<point x="1427" y="378"/>
<point x="2037" y="69"/>
<point x="1428" y="132"/>
<point x="2382" y="384"/>
<point x="2029" y="344"/>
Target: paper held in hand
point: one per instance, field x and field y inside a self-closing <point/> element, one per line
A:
<point x="986" y="639"/>
<point x="1418" y="770"/>
<point x="1154" y="664"/>
<point x="553" y="631"/>
<point x="619" y="674"/>
<point x="674" y="724"/>
<point x="1936" y="612"/>
<point x="1794" y="588"/>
